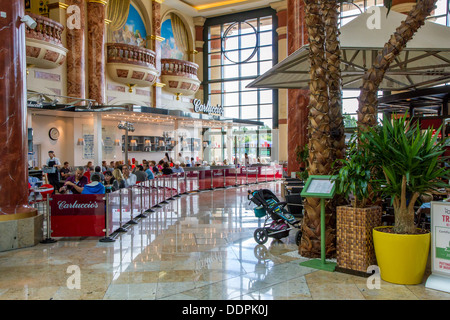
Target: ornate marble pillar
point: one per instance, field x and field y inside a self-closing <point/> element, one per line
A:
<point x="96" y="15"/>
<point x="13" y="114"/>
<point x="198" y="51"/>
<point x="281" y="8"/>
<point x="155" y="45"/>
<point x="298" y="100"/>
<point x="75" y="42"/>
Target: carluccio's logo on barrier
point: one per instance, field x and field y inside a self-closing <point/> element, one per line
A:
<point x="207" y="108"/>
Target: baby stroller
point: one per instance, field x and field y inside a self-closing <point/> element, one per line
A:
<point x="278" y="221"/>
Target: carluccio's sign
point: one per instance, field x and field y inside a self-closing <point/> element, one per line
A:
<point x="207" y="108"/>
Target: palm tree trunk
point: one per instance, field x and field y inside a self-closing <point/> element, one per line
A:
<point x="333" y="57"/>
<point x="337" y="136"/>
<point x="325" y="131"/>
<point x="368" y="102"/>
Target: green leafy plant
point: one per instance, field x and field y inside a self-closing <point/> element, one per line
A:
<point x="302" y="157"/>
<point x="412" y="164"/>
<point x="355" y="175"/>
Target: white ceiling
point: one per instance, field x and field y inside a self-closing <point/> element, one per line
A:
<point x="220" y="7"/>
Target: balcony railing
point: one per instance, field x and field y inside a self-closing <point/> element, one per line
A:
<point x="180" y="77"/>
<point x="131" y="65"/>
<point x="43" y="43"/>
<point x="124" y="53"/>
<point x="179" y="68"/>
<point x="46" y="29"/>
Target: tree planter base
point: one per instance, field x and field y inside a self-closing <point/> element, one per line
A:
<point x="402" y="258"/>
<point x="354" y="242"/>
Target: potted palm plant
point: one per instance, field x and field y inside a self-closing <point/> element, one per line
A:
<point x="412" y="164"/>
<point x="354" y="177"/>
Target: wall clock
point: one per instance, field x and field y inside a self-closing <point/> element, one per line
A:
<point x="53" y="133"/>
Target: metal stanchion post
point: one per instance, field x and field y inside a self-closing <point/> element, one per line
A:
<point x="171" y="198"/>
<point x="150" y="191"/>
<point x="132" y="221"/>
<point x="49" y="226"/>
<point x="164" y="194"/>
<point x="107" y="238"/>
<point x="120" y="229"/>
<point x="212" y="182"/>
<point x="141" y="215"/>
<point x="157" y="193"/>
<point x="224" y="178"/>
<point x="178" y="188"/>
<point x="185" y="183"/>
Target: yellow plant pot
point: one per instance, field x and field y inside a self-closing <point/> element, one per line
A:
<point x="402" y="258"/>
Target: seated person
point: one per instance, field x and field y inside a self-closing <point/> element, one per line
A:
<point x="177" y="168"/>
<point x="95" y="187"/>
<point x="140" y="173"/>
<point x="98" y="172"/>
<point x="110" y="183"/>
<point x="75" y="183"/>
<point x="148" y="171"/>
<point x="166" y="169"/>
<point x="128" y="177"/>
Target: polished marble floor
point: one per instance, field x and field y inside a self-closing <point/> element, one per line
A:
<point x="198" y="247"/>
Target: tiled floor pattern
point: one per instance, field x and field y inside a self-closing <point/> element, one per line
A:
<point x="199" y="247"/>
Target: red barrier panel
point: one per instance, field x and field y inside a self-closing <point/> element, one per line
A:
<point x="230" y="177"/>
<point x="78" y="215"/>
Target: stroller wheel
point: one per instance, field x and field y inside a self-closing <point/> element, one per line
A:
<point x="261" y="235"/>
<point x="298" y="237"/>
<point x="261" y="252"/>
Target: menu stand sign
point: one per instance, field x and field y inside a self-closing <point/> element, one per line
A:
<point x="322" y="187"/>
<point x="440" y="247"/>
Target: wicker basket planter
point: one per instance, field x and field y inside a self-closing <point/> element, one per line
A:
<point x="354" y="241"/>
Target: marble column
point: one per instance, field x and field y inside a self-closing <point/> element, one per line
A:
<point x="155" y="45"/>
<point x="13" y="114"/>
<point x="199" y="41"/>
<point x="298" y="100"/>
<point x="281" y="8"/>
<point x="96" y="14"/>
<point x="75" y="42"/>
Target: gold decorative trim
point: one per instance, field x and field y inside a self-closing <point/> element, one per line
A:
<point x="18" y="216"/>
<point x="107" y="21"/>
<point x="403" y="7"/>
<point x="193" y="52"/>
<point x="157" y="38"/>
<point x="57" y="5"/>
<point x="103" y="2"/>
<point x="159" y="84"/>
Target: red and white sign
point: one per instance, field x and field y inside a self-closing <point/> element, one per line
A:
<point x="78" y="215"/>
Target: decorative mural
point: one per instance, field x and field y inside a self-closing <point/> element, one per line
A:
<point x="133" y="32"/>
<point x="169" y="48"/>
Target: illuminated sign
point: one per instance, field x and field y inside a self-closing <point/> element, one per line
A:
<point x="207" y="108"/>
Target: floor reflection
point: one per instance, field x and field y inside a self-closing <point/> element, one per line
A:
<point x="199" y="246"/>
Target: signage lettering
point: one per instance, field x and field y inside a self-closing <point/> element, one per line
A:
<point x="207" y="108"/>
<point x="64" y="205"/>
